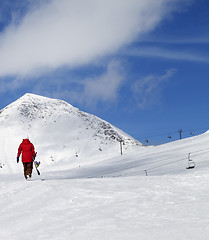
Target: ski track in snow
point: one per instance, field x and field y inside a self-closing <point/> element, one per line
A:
<point x="166" y="207"/>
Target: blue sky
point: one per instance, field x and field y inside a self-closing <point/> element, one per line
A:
<point x="142" y="65"/>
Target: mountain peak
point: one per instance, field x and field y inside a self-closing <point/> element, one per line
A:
<point x="32" y="109"/>
<point x="60" y="130"/>
<point x="31" y="97"/>
<point x="31" y="106"/>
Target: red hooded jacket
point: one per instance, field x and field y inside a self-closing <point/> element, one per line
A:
<point x="27" y="150"/>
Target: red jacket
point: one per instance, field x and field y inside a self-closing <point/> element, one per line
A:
<point x="27" y="150"/>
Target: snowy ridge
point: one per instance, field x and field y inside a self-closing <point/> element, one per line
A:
<point x="32" y="107"/>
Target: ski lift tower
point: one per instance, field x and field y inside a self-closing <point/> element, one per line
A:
<point x="121" y="148"/>
<point x="180" y="131"/>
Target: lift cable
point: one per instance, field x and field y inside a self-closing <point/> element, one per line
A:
<point x="161" y="160"/>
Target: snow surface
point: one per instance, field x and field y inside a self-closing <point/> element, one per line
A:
<point x="163" y="207"/>
<point x="104" y="195"/>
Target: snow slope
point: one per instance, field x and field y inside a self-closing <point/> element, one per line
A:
<point x="170" y="158"/>
<point x="109" y="196"/>
<point x="151" y="208"/>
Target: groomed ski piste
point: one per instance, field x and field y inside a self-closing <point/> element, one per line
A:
<point x="113" y="199"/>
<point x="145" y="193"/>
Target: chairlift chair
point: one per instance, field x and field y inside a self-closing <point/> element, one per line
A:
<point x="191" y="163"/>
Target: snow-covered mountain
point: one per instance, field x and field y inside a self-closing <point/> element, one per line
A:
<point x="60" y="132"/>
<point x="86" y="146"/>
<point x="146" y="193"/>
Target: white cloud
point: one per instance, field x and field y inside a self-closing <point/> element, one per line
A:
<point x="177" y="40"/>
<point x="146" y="91"/>
<point x="76" y="32"/>
<point x="168" y="54"/>
<point x="103" y="88"/>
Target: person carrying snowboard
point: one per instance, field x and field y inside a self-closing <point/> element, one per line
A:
<point x="27" y="150"/>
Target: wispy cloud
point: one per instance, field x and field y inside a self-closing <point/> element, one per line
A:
<point x="171" y="54"/>
<point x="75" y="32"/>
<point x="92" y="90"/>
<point x="177" y="40"/>
<point x="146" y="91"/>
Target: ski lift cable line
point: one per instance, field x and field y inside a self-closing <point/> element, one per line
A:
<point x="140" y="165"/>
<point x="173" y="132"/>
<point x="147" y="170"/>
<point x="195" y="129"/>
<point x="168" y="163"/>
<point x="150" y="169"/>
<point x="153" y="168"/>
<point x="182" y="159"/>
<point x="165" y="164"/>
<point x="168" y="158"/>
<point x="145" y="154"/>
<point x="200" y="150"/>
<point x="127" y="168"/>
<point x="199" y="154"/>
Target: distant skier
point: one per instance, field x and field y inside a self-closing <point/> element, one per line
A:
<point x="28" y="154"/>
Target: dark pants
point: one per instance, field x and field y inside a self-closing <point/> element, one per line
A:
<point x="28" y="167"/>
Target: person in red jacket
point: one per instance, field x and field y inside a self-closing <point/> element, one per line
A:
<point x="28" y="154"/>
